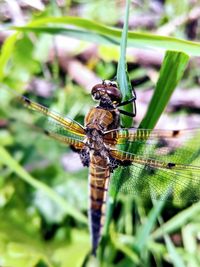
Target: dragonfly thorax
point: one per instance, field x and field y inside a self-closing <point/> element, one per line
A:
<point x="95" y="140"/>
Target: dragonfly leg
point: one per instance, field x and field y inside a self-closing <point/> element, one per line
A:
<point x="127" y="102"/>
<point x="114" y="163"/>
<point x="131" y="100"/>
<point x="85" y="157"/>
<point x="129" y="114"/>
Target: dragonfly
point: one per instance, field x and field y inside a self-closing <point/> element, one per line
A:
<point x="159" y="159"/>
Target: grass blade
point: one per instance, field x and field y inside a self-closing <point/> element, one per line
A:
<point x="6" y="52"/>
<point x="171" y="73"/>
<point x="145" y="230"/>
<point x="177" y="221"/>
<point x="175" y="257"/>
<point x="7" y="159"/>
<point x="122" y="74"/>
<point x="136" y="39"/>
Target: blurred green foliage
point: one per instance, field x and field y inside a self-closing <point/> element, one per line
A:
<point x="43" y="206"/>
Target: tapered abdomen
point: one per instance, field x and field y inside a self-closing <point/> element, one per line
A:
<point x="99" y="175"/>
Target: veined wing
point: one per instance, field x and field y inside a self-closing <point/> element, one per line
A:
<point x="154" y="178"/>
<point x="70" y="140"/>
<point x="66" y="123"/>
<point x="164" y="145"/>
<point x="128" y="136"/>
<point x="63" y="129"/>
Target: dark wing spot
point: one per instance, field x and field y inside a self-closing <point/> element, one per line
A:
<point x="170" y="165"/>
<point x="175" y="133"/>
<point x="126" y="163"/>
<point x="114" y="163"/>
<point x="76" y="150"/>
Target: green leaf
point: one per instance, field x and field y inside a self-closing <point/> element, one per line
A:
<point x="122" y="74"/>
<point x="7" y="159"/>
<point x="145" y="230"/>
<point x="175" y="257"/>
<point x="119" y="243"/>
<point x="171" y="72"/>
<point x="20" y="249"/>
<point x="6" y="52"/>
<point x="177" y="221"/>
<point x="111" y="35"/>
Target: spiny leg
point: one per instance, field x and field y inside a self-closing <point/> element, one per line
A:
<point x="126" y="102"/>
<point x="84" y="155"/>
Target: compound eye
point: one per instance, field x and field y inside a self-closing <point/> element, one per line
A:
<point x="97" y="91"/>
<point x="114" y="94"/>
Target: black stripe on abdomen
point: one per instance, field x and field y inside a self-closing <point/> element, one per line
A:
<point x="99" y="174"/>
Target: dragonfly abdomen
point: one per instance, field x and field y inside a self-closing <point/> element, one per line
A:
<point x="99" y="175"/>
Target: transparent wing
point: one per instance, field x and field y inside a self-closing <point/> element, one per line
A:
<point x="70" y="140"/>
<point x="66" y="123"/>
<point x="171" y="166"/>
<point x="180" y="186"/>
<point x="63" y="129"/>
<point x="129" y="136"/>
<point x="164" y="145"/>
